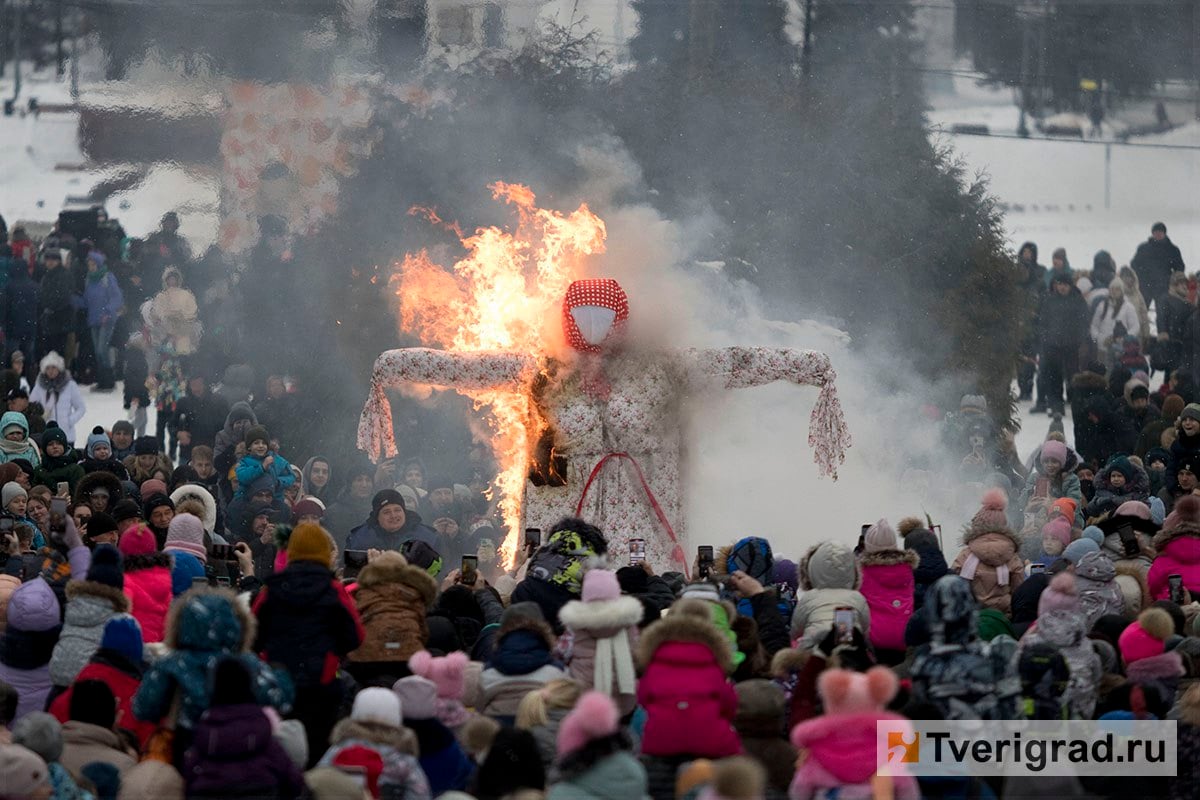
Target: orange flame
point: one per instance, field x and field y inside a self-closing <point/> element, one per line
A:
<point x="506" y="295"/>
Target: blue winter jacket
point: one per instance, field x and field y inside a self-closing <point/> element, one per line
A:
<point x="250" y="468"/>
<point x="103" y="300"/>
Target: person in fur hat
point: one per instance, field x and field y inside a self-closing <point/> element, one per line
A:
<point x="91" y="603"/>
<point x="1061" y="625"/>
<point x="887" y="584"/>
<point x="990" y="560"/>
<point x="375" y="723"/>
<point x="448" y="673"/>
<point x="99" y="490"/>
<point x="521" y="661"/>
<point x="601" y="631"/>
<point x="392" y="598"/>
<point x="1096" y="581"/>
<point x="594" y="760"/>
<point x="840" y="745"/>
<point x="1178" y="550"/>
<point x="1143" y="647"/>
<point x="830" y="578"/>
<point x="690" y="705"/>
<point x="1120" y="481"/>
<point x="760" y="723"/>
<point x="932" y="564"/>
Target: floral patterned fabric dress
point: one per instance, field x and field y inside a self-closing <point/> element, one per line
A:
<point x="616" y="425"/>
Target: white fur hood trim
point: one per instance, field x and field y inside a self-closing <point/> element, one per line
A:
<point x="600" y="614"/>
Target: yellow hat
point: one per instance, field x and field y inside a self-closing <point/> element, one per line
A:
<point x="310" y="542"/>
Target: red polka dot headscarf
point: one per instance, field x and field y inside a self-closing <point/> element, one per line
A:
<point x="602" y="292"/>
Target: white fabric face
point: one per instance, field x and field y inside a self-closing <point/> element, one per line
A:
<point x="594" y="322"/>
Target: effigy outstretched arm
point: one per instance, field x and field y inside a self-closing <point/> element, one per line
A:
<point x="741" y="367"/>
<point x="438" y="368"/>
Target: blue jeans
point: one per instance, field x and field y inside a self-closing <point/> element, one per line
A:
<point x="101" y="337"/>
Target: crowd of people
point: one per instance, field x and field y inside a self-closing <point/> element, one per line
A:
<point x="189" y="614"/>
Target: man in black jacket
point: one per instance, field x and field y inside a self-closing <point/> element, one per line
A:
<point x="1033" y="289"/>
<point x="1062" y="327"/>
<point x="1155" y="260"/>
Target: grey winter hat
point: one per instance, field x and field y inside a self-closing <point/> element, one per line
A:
<point x="831" y="565"/>
<point x="41" y="733"/>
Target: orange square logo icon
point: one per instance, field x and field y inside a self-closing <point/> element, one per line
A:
<point x="902" y="750"/>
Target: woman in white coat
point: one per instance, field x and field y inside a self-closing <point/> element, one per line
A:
<point x="1105" y="316"/>
<point x="58" y="393"/>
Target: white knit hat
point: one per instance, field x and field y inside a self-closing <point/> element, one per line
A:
<point x="376" y="704"/>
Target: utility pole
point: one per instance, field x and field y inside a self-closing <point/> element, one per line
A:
<point x="1196" y="51"/>
<point x="59" y="55"/>
<point x="806" y="46"/>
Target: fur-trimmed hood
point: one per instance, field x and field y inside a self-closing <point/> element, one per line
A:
<point x="391" y="567"/>
<point x="787" y="661"/>
<point x="100" y="591"/>
<point x="199" y="492"/>
<point x="95" y="480"/>
<point x="1132" y="582"/>
<point x="1166" y="666"/>
<point x="887" y="558"/>
<point x="1136" y="488"/>
<point x="1184" y="529"/>
<point x="829" y="565"/>
<point x="519" y="623"/>
<point x="684" y="627"/>
<point x="401" y="739"/>
<point x="599" y="615"/>
<point x="209" y="619"/>
<point x="147" y="561"/>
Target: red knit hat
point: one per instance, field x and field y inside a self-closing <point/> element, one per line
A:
<point x="138" y="541"/>
<point x="1147" y="637"/>
<point x="360" y="760"/>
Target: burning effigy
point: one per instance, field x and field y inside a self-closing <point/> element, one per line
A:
<point x="583" y="421"/>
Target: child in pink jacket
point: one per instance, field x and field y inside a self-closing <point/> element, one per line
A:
<point x="887" y="583"/>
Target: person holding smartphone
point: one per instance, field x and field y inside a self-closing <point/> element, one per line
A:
<point x="1178" y="548"/>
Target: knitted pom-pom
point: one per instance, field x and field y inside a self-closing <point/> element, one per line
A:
<point x="596" y="714"/>
<point x="97" y="430"/>
<point x="421" y="663"/>
<point x="1064" y="583"/>
<point x="1187" y="508"/>
<point x="1157" y="623"/>
<point x="995" y="500"/>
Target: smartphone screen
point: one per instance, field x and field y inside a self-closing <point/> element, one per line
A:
<point x="843" y="622"/>
<point x="533" y="538"/>
<point x="1036" y="567"/>
<point x="637" y="552"/>
<point x="469" y="570"/>
<point x="704" y="560"/>
<point x="58" y="505"/>
<point x="1175" y="584"/>
<point x="355" y="560"/>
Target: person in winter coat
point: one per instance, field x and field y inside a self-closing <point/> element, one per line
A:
<point x="761" y="718"/>
<point x="91" y="603"/>
<point x="1151" y="436"/>
<point x="103" y="302"/>
<point x="1062" y="625"/>
<point x="1108" y="314"/>
<point x="308" y="623"/>
<point x="541" y="713"/>
<point x="33" y="623"/>
<point x="98" y="457"/>
<point x="1056" y="535"/>
<point x="1178" y="548"/>
<point x="963" y="677"/>
<point x="601" y="632"/>
<point x="1117" y="483"/>
<point x="199" y="417"/>
<point x="317" y="479"/>
<point x="443" y="760"/>
<point x="171" y="314"/>
<point x="1133" y="294"/>
<point x="554" y="575"/>
<point x="14" y="440"/>
<point x="89" y="734"/>
<point x="521" y="662"/>
<point x="932" y="562"/>
<point x="375" y="725"/>
<point x="260" y="460"/>
<point x="118" y="664"/>
<point x="840" y="745"/>
<point x="830" y="579"/>
<point x="1155" y="261"/>
<point x="147" y="581"/>
<point x="1175" y="309"/>
<point x="20" y="311"/>
<point x="1186" y="447"/>
<point x="204" y="626"/>
<point x="390" y="525"/>
<point x="353" y="503"/>
<point x="238" y="422"/>
<point x="448" y="674"/>
<point x="57" y="393"/>
<point x="56" y="311"/>
<point x="594" y="760"/>
<point x="1052" y="478"/>
<point x="234" y="752"/>
<point x="1148" y="662"/>
<point x="887" y="584"/>
<point x="1109" y="432"/>
<point x="1096" y="583"/>
<point x="689" y="703"/>
<point x="1062" y="325"/>
<point x="1187" y="775"/>
<point x="990" y="559"/>
<point x="1138" y="552"/>
<point x="392" y="598"/>
<point x="60" y="462"/>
